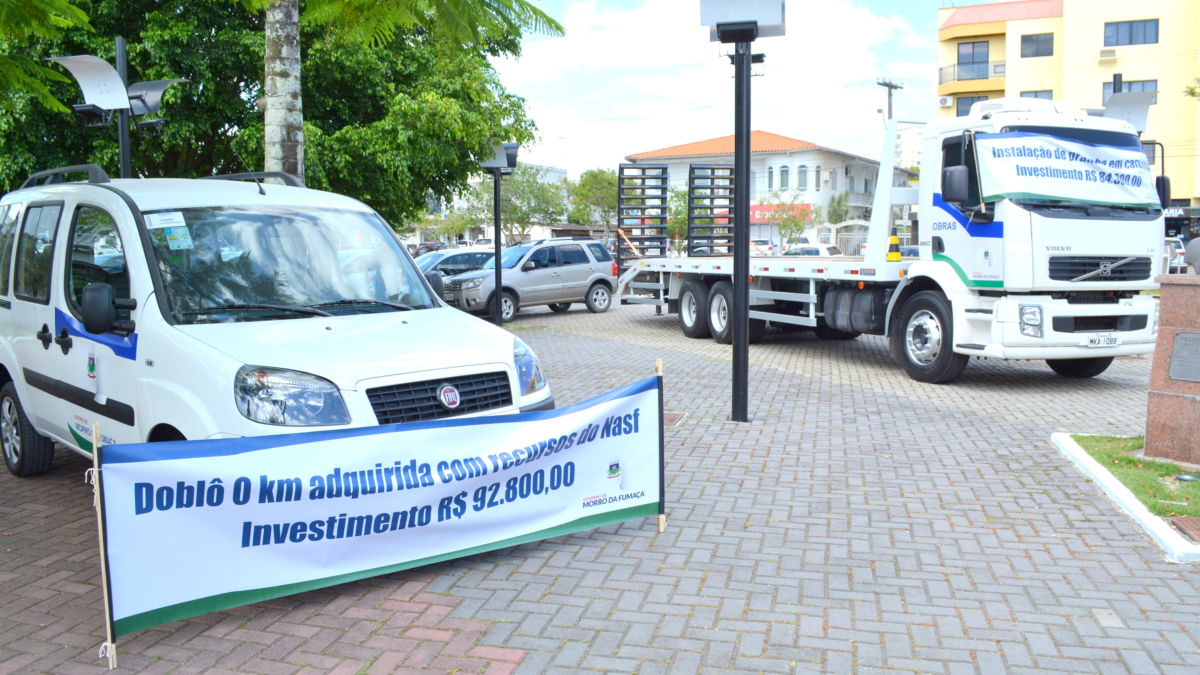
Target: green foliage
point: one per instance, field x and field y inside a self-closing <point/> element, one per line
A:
<point x="677" y="213"/>
<point x="21" y="22"/>
<point x="793" y="216"/>
<point x="395" y="125"/>
<point x="525" y="200"/>
<point x="838" y="208"/>
<point x="1193" y="90"/>
<point x="594" y="198"/>
<point x="1152" y="482"/>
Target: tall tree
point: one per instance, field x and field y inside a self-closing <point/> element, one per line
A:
<point x="526" y="199"/>
<point x="594" y="199"/>
<point x="393" y="125"/>
<point x="477" y="24"/>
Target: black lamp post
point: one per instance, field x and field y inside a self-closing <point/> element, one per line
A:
<point x="502" y="163"/>
<point x="104" y="90"/>
<point x="740" y="24"/>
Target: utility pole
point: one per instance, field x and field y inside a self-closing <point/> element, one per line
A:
<point x="891" y="86"/>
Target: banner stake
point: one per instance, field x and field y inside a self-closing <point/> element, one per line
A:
<point x="109" y="648"/>
<point x="662" y="464"/>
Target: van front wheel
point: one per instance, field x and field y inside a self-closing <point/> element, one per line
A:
<point x="26" y="452"/>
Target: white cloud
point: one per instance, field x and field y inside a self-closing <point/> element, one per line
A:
<point x="629" y="80"/>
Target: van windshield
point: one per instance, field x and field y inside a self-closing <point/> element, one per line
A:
<point x="242" y="264"/>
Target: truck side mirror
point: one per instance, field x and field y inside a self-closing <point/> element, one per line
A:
<point x="954" y="184"/>
<point x="1162" y="184"/>
<point x="99" y="312"/>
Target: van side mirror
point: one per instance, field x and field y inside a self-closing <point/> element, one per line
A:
<point x="954" y="184"/>
<point x="529" y="266"/>
<point x="434" y="278"/>
<point x="1162" y="184"/>
<point x="99" y="312"/>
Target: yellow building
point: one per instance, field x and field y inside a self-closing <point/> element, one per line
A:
<point x="1071" y="51"/>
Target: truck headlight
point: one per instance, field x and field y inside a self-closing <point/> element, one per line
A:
<point x="287" y="398"/>
<point x="1031" y="320"/>
<point x="529" y="371"/>
<point x="471" y="283"/>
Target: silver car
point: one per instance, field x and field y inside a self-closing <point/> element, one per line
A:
<point x="553" y="272"/>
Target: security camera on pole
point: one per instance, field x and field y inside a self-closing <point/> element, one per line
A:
<point x="740" y="22"/>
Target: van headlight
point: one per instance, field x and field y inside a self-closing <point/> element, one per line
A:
<point x="287" y="398"/>
<point x="1031" y="320"/>
<point x="471" y="283"/>
<point x="529" y="371"/>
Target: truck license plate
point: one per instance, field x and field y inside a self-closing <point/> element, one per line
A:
<point x="1104" y="340"/>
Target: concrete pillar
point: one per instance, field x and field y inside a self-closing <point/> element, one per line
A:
<point x="1173" y="408"/>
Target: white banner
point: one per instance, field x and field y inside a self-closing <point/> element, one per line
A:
<point x="199" y="526"/>
<point x="1019" y="165"/>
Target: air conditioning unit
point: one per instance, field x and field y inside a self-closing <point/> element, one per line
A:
<point x="945" y="101"/>
<point x="1108" y="55"/>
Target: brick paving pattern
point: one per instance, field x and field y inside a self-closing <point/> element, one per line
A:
<point x="861" y="522"/>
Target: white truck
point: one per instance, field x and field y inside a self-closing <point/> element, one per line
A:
<point x="1049" y="264"/>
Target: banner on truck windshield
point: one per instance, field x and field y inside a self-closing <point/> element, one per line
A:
<point x="1018" y="165"/>
<point x="199" y="526"/>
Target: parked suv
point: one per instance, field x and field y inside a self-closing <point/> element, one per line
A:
<point x="554" y="272"/>
<point x="170" y="309"/>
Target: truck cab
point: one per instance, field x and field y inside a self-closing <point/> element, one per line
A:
<point x="1041" y="227"/>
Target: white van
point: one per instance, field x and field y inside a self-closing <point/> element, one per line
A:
<point x="170" y="309"/>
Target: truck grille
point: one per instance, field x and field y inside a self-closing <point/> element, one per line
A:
<point x="1066" y="268"/>
<point x="1098" y="324"/>
<point x="415" y="401"/>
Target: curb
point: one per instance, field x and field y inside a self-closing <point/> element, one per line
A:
<point x="1177" y="548"/>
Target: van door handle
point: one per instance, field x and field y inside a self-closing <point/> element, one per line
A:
<point x="44" y="336"/>
<point x="63" y="340"/>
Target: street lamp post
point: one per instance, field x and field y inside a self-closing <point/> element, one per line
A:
<point x="104" y="90"/>
<point x="503" y="161"/>
<point x="740" y="24"/>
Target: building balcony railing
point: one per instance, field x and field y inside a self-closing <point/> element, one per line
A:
<point x="861" y="198"/>
<point x="970" y="71"/>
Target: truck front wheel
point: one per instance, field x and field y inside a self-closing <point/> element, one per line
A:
<point x="923" y="341"/>
<point x="1080" y="367"/>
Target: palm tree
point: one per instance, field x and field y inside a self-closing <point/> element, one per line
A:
<point x="469" y="23"/>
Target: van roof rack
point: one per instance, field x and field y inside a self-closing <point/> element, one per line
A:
<point x="52" y="176"/>
<point x="287" y="178"/>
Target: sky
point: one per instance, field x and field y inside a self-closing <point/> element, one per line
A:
<point x="636" y="75"/>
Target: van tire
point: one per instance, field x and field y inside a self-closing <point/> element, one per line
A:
<point x="26" y="452"/>
<point x="693" y="308"/>
<point x="923" y="340"/>
<point x="1080" y="368"/>
<point x="598" y="298"/>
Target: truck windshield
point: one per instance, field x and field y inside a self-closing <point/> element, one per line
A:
<point x="243" y="264"/>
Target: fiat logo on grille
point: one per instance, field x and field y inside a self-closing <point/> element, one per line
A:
<point x="448" y="396"/>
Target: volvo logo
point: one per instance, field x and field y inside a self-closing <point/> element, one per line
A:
<point x="448" y="396"/>
<point x="1105" y="269"/>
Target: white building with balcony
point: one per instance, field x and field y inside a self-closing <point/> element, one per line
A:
<point x="782" y="170"/>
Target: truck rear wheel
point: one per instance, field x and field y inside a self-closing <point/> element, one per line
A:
<point x="26" y="452"/>
<point x="720" y="311"/>
<point x="923" y="340"/>
<point x="1080" y="367"/>
<point x="693" y="308"/>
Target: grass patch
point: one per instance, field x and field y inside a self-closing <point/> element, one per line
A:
<point x="1152" y="481"/>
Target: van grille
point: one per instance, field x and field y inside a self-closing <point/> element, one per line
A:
<point x="416" y="401"/>
<point x="1066" y="268"/>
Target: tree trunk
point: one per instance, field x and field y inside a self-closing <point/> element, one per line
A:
<point x="283" y="118"/>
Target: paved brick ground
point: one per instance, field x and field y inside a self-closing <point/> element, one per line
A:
<point x="860" y="522"/>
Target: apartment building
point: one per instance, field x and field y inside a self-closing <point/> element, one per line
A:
<point x="1072" y="51"/>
